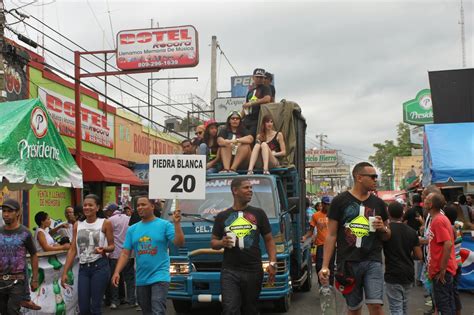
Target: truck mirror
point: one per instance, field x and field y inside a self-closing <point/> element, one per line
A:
<point x="293" y="203"/>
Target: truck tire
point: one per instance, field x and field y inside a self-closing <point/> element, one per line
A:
<point x="283" y="304"/>
<point x="181" y="306"/>
<point x="306" y="287"/>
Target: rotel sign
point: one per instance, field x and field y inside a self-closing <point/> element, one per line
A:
<point x="155" y="36"/>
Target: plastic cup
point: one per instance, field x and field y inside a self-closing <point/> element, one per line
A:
<point x="371" y="222"/>
<point x="233" y="236"/>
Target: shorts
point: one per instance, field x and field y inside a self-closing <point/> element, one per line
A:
<point x="369" y="281"/>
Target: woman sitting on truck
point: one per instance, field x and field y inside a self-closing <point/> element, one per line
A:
<point x="234" y="142"/>
<point x="210" y="148"/>
<point x="269" y="147"/>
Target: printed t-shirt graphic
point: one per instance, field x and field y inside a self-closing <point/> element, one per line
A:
<point x="242" y="226"/>
<point x="14" y="245"/>
<point x="149" y="240"/>
<point x="354" y="241"/>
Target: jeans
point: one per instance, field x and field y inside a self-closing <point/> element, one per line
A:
<point x="444" y="295"/>
<point x="240" y="291"/>
<point x="369" y="281"/>
<point x="10" y="296"/>
<point x="319" y="264"/>
<point x="93" y="280"/>
<point x="152" y="298"/>
<point x="397" y="295"/>
<point x="127" y="275"/>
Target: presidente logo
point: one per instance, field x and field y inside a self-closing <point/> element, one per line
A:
<point x="359" y="226"/>
<point x="241" y="227"/>
<point x="39" y="122"/>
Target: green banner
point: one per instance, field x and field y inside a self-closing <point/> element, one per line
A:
<point x="50" y="200"/>
<point x="419" y="111"/>
<point x="31" y="149"/>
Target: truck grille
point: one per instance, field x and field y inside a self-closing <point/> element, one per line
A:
<point x="208" y="266"/>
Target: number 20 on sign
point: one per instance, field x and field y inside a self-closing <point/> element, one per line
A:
<point x="177" y="177"/>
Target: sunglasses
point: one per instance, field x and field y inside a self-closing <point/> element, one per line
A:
<point x="234" y="118"/>
<point x="373" y="176"/>
<point x="198" y="133"/>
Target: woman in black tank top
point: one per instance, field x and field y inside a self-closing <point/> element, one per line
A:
<point x="269" y="147"/>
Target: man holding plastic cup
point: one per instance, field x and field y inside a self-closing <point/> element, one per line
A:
<point x="238" y="231"/>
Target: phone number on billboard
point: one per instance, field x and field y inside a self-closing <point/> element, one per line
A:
<point x="157" y="63"/>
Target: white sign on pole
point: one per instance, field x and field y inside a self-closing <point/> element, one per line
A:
<point x="223" y="106"/>
<point x="177" y="177"/>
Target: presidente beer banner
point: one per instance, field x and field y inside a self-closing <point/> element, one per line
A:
<point x="97" y="127"/>
<point x="170" y="47"/>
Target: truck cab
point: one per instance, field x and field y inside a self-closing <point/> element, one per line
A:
<point x="195" y="267"/>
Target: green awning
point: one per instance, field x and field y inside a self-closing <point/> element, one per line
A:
<point x="31" y="149"/>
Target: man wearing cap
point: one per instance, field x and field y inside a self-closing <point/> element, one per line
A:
<point x="15" y="241"/>
<point x="269" y="82"/>
<point x="319" y="222"/>
<point x="120" y="223"/>
<point x="258" y="95"/>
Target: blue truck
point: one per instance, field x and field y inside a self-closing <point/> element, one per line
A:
<point x="195" y="268"/>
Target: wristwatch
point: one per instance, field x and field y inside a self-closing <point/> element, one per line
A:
<point x="273" y="264"/>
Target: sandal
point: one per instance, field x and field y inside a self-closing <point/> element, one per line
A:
<point x="249" y="172"/>
<point x="224" y="171"/>
<point x="231" y="171"/>
<point x="266" y="172"/>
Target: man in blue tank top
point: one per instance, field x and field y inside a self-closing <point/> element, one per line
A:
<point x="149" y="240"/>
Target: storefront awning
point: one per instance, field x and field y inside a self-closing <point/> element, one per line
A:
<point x="96" y="170"/>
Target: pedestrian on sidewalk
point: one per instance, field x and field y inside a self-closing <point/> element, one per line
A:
<point x="441" y="258"/>
<point x="149" y="239"/>
<point x="241" y="273"/>
<point x="399" y="266"/>
<point x="358" y="222"/>
<point x="15" y="241"/>
<point x="92" y="239"/>
<point x="319" y="223"/>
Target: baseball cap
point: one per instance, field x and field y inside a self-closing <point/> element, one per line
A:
<point x="326" y="199"/>
<point x="111" y="207"/>
<point x="11" y="204"/>
<point x="259" y="72"/>
<point x="344" y="278"/>
<point x="210" y="122"/>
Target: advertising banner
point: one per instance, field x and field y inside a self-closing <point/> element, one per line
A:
<point x="223" y="106"/>
<point x="177" y="176"/>
<point x="170" y="47"/>
<point x="134" y="144"/>
<point x="340" y="170"/>
<point x="16" y="84"/>
<point x="110" y="194"/>
<point x="50" y="295"/>
<point x="97" y="127"/>
<point x="419" y="111"/>
<point x="406" y="169"/>
<point x="51" y="200"/>
<point x="416" y="135"/>
<point x="467" y="258"/>
<point x="316" y="158"/>
<point x="240" y="85"/>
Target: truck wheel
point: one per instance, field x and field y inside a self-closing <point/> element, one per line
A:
<point x="306" y="287"/>
<point x="283" y="305"/>
<point x="181" y="306"/>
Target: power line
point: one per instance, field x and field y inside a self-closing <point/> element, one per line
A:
<point x="223" y="54"/>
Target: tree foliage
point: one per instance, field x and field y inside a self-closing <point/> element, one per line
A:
<point x="383" y="157"/>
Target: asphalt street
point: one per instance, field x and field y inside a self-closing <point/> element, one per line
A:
<point x="308" y="303"/>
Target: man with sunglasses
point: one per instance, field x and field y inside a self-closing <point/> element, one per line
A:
<point x="358" y="222"/>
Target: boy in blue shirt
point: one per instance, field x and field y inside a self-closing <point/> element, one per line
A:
<point x="149" y="240"/>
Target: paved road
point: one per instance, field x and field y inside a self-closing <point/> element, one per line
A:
<point x="308" y="304"/>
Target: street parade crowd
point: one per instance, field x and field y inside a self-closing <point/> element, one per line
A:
<point x="123" y="252"/>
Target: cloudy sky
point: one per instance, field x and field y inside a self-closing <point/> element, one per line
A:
<point x="349" y="64"/>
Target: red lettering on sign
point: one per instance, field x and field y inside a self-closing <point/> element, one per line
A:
<point x="69" y="109"/>
<point x="157" y="36"/>
<point x="54" y="103"/>
<point x="143" y="37"/>
<point x="184" y="34"/>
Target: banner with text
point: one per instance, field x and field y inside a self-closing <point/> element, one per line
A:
<point x="240" y="85"/>
<point x="177" y="177"/>
<point x="97" y="127"/>
<point x="316" y="158"/>
<point x="170" y="47"/>
<point x="340" y="170"/>
<point x="223" y="106"/>
<point x="52" y="200"/>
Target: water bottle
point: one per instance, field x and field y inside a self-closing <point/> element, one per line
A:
<point x="327" y="300"/>
<point x="234" y="145"/>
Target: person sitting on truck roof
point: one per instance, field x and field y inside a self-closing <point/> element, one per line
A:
<point x="258" y="95"/>
<point x="187" y="147"/>
<point x="210" y="148"/>
<point x="269" y="147"/>
<point x="269" y="82"/>
<point x="234" y="141"/>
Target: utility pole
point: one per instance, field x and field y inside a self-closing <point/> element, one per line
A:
<point x="463" y="37"/>
<point x="3" y="93"/>
<point x="321" y="137"/>
<point x="213" y="70"/>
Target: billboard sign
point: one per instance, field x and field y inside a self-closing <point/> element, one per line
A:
<point x="97" y="127"/>
<point x="223" y="106"/>
<point x="169" y="47"/>
<point x="240" y="85"/>
<point x="340" y="170"/>
<point x="419" y="111"/>
<point x="316" y="158"/>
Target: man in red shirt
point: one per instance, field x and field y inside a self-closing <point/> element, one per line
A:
<point x="441" y="258"/>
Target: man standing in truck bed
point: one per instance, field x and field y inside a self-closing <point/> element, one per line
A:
<point x="238" y="231"/>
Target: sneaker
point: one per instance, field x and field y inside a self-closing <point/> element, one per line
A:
<point x="30" y="305"/>
<point x="138" y="308"/>
<point x="429" y="302"/>
<point x="113" y="306"/>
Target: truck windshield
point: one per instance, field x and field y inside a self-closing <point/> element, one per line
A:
<point x="219" y="198"/>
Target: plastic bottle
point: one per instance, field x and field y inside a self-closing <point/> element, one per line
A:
<point x="327" y="300"/>
<point x="234" y="145"/>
